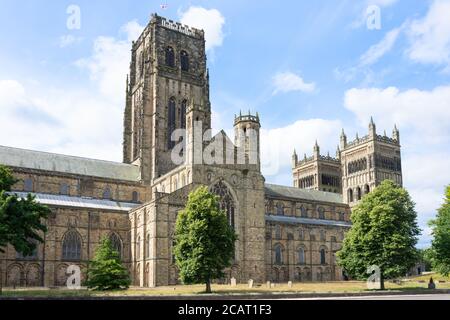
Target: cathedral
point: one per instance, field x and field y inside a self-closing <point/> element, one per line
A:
<point x="284" y="233"/>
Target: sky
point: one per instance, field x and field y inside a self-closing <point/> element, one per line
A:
<point x="309" y="68"/>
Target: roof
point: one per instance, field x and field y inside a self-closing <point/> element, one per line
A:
<point x="68" y="164"/>
<point x="277" y="191"/>
<point x="79" y="202"/>
<point x="296" y="220"/>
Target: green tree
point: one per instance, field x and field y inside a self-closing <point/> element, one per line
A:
<point x="106" y="271"/>
<point x="440" y="246"/>
<point x="384" y="233"/>
<point x="21" y="220"/>
<point x="204" y="241"/>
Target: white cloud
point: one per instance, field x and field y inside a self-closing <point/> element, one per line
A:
<point x="82" y="122"/>
<point x="427" y="113"/>
<point x="288" y="81"/>
<point x="277" y="145"/>
<point x="211" y="21"/>
<point x="378" y="50"/>
<point x="422" y="117"/>
<point x="69" y="40"/>
<point x="109" y="63"/>
<point x="133" y="30"/>
<point x="430" y="36"/>
<point x="58" y="120"/>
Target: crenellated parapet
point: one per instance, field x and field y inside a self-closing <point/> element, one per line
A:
<point x="246" y="118"/>
<point x="177" y="26"/>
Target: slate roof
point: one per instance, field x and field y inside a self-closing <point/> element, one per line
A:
<point x="39" y="160"/>
<point x="276" y="191"/>
<point x="296" y="220"/>
<point x="79" y="202"/>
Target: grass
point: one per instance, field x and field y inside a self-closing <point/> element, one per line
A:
<point x="311" y="287"/>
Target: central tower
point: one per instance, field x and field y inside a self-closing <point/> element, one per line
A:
<point x="168" y="76"/>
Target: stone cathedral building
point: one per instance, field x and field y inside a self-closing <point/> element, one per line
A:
<point x="285" y="233"/>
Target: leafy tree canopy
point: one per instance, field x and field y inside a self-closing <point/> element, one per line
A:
<point x="106" y="271"/>
<point x="204" y="239"/>
<point x="21" y="220"/>
<point x="384" y="233"/>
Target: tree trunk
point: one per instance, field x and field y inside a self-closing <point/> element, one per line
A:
<point x="208" y="286"/>
<point x="381" y="281"/>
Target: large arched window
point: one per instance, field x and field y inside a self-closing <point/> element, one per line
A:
<point x="358" y="193"/>
<point x="171" y="122"/>
<point x="225" y="201"/>
<point x="116" y="243"/>
<point x="278" y="254"/>
<point x="71" y="248"/>
<point x="301" y="256"/>
<point x="366" y="189"/>
<point x="184" y="59"/>
<point x="323" y="256"/>
<point x="170" y="57"/>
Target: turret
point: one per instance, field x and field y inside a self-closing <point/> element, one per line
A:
<point x="294" y="159"/>
<point x="316" y="151"/>
<point x="246" y="136"/>
<point x="343" y="140"/>
<point x="338" y="153"/>
<point x="396" y="134"/>
<point x="372" y="129"/>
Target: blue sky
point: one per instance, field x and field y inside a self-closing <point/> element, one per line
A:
<point x="308" y="67"/>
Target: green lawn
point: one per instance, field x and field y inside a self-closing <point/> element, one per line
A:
<point x="334" y="287"/>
